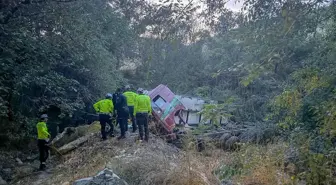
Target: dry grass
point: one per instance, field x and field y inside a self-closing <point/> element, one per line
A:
<point x="262" y="165"/>
<point x="158" y="162"/>
<point x="154" y="163"/>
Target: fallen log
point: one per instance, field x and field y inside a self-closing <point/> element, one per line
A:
<point x="74" y="144"/>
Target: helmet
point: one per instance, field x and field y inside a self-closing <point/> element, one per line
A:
<point x="127" y="87"/>
<point x="140" y="90"/>
<point x="43" y="116"/>
<point x="108" y="95"/>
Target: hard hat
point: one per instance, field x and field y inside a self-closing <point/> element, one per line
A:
<point x="127" y="87"/>
<point x="108" y="95"/>
<point x="140" y="90"/>
<point x="43" y="116"/>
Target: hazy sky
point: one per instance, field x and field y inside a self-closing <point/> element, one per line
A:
<point x="233" y="5"/>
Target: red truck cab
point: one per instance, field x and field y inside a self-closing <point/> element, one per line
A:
<point x="165" y="106"/>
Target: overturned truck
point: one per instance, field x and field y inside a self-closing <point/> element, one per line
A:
<point x="174" y="114"/>
<point x="167" y="111"/>
<point x="172" y="111"/>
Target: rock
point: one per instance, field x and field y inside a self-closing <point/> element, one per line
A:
<point x="19" y="161"/>
<point x="104" y="177"/>
<point x="230" y="143"/>
<point x="73" y="145"/>
<point x="24" y="171"/>
<point x="223" y="139"/>
<point x="237" y="132"/>
<point x="2" y="182"/>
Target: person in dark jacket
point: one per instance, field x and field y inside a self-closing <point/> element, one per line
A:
<point x="122" y="112"/>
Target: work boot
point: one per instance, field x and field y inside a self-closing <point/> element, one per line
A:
<point x="42" y="167"/>
<point x="121" y="137"/>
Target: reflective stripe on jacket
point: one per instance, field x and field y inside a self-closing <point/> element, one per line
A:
<point x="42" y="130"/>
<point x="104" y="106"/>
<point x="142" y="104"/>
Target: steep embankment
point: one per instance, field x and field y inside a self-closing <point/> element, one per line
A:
<point x="156" y="162"/>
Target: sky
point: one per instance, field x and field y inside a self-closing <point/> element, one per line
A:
<point x="234" y="6"/>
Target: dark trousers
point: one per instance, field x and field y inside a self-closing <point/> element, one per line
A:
<point x="123" y="125"/>
<point x="142" y="121"/>
<point x="105" y="119"/>
<point x="131" y="113"/>
<point x="43" y="149"/>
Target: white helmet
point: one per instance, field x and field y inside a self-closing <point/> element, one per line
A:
<point x="140" y="90"/>
<point x="43" y="116"/>
<point x="108" y="95"/>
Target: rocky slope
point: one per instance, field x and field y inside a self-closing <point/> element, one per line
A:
<point x="155" y="162"/>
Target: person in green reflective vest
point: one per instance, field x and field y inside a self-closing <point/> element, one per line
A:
<point x="43" y="138"/>
<point x="130" y="97"/>
<point x="142" y="110"/>
<point x="105" y="109"/>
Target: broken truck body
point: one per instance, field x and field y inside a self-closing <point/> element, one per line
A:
<point x="165" y="106"/>
<point x="171" y="110"/>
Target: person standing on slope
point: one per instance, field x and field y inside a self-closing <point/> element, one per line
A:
<point x="105" y="108"/>
<point x="122" y="112"/>
<point x="43" y="138"/>
<point x="142" y="110"/>
<point x="131" y="96"/>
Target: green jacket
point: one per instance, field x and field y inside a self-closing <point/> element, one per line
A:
<point x="142" y="104"/>
<point x="130" y="97"/>
<point x="42" y="130"/>
<point x="104" y="106"/>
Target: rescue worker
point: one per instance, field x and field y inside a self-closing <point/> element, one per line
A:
<point x="122" y="112"/>
<point x="131" y="96"/>
<point x="142" y="110"/>
<point x="105" y="108"/>
<point x="43" y="138"/>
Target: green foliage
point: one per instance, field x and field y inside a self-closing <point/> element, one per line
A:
<point x="225" y="172"/>
<point x="216" y="112"/>
<point x="57" y="58"/>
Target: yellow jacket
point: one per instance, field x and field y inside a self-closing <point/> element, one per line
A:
<point x="130" y="97"/>
<point x="142" y="104"/>
<point x="42" y="130"/>
<point x="104" y="106"/>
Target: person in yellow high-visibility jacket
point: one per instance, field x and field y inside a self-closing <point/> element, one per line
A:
<point x="105" y="109"/>
<point x="142" y="109"/>
<point x="130" y="97"/>
<point x="43" y="138"/>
